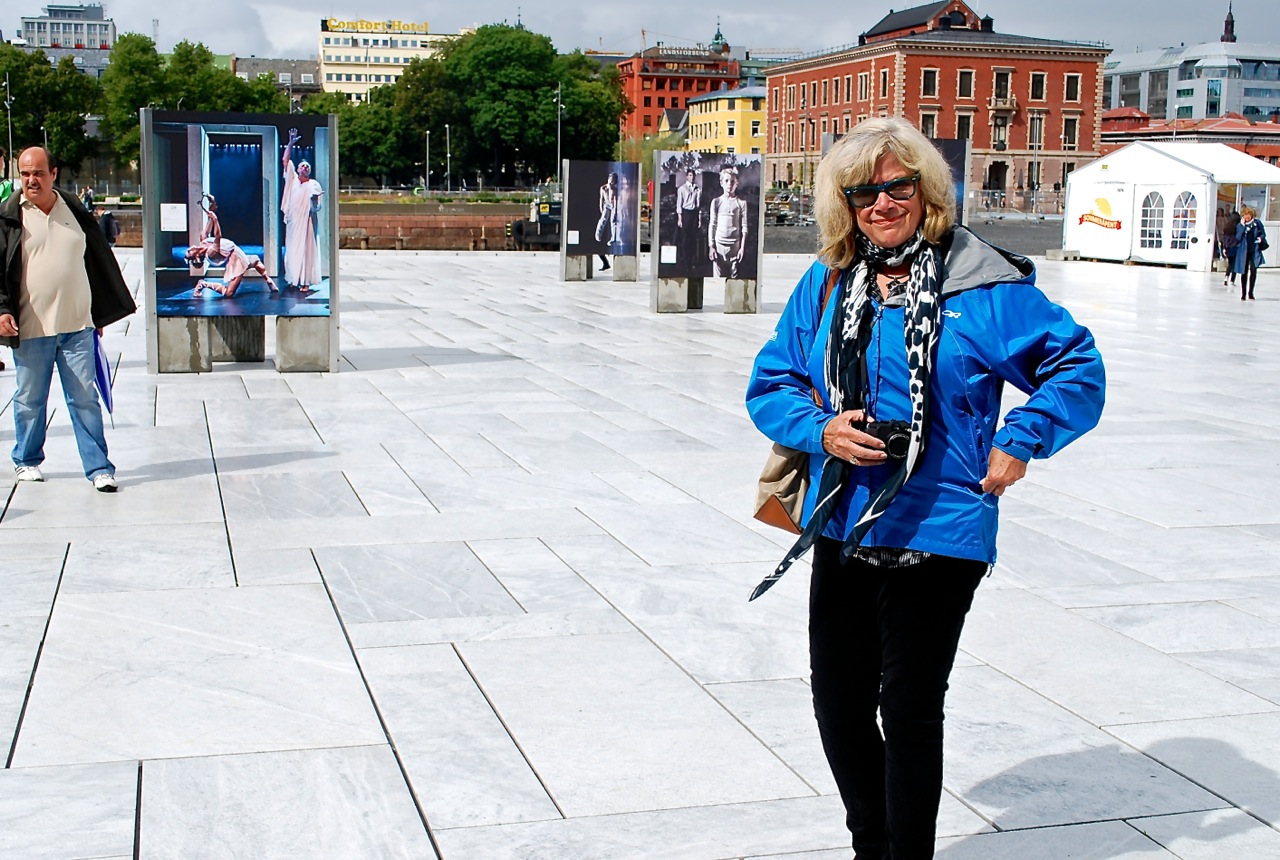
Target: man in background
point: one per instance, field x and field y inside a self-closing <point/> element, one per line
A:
<point x="59" y="282"/>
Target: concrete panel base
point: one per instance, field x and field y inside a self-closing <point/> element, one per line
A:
<point x="184" y="345"/>
<point x="695" y="293"/>
<point x="577" y="267"/>
<point x="669" y="296"/>
<point x="302" y="344"/>
<point x="741" y="296"/>
<point x="624" y="268"/>
<point x="238" y="338"/>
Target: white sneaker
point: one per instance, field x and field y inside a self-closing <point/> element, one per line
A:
<point x="29" y="473"/>
<point x="105" y="483"/>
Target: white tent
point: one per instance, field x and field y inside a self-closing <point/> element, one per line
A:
<point x="1156" y="202"/>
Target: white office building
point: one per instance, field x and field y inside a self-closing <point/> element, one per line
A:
<point x="1197" y="82"/>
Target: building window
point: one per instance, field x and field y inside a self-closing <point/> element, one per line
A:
<point x="929" y="84"/>
<point x="804" y="95"/>
<point x="1213" y="106"/>
<point x="1035" y="130"/>
<point x="964" y="126"/>
<point x="662" y="101"/>
<point x="884" y="83"/>
<point x="826" y="93"/>
<point x="864" y="86"/>
<point x="1073" y="88"/>
<point x="1130" y="91"/>
<point x="1184" y="221"/>
<point x="1070" y="133"/>
<point x="848" y="88"/>
<point x="929" y="124"/>
<point x="731" y="128"/>
<point x="1037" y="86"/>
<point x="755" y="128"/>
<point x="1002" y="86"/>
<point x="813" y="93"/>
<point x="648" y="101"/>
<point x="791" y="97"/>
<point x="285" y="78"/>
<point x="1151" y="231"/>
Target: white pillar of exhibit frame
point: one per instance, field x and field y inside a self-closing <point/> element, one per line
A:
<point x="579" y="210"/>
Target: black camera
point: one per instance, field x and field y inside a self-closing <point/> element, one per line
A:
<point x="896" y="436"/>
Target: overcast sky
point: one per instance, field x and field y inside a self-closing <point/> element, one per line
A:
<point x="289" y="28"/>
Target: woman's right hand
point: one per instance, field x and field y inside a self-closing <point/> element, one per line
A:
<point x="840" y="438"/>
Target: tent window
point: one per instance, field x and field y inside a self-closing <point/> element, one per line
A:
<point x="1184" y="221"/>
<point x="1151" y="234"/>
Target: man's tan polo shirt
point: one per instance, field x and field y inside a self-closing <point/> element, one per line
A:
<point x="54" y="297"/>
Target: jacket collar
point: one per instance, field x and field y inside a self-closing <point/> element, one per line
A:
<point x="970" y="262"/>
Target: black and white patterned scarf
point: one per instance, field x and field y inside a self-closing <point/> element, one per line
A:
<point x="846" y="387"/>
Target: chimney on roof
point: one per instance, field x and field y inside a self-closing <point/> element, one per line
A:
<point x="1229" y="27"/>
<point x="988" y="24"/>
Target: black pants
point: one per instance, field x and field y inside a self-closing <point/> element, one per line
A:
<point x="886" y="638"/>
<point x="1248" y="276"/>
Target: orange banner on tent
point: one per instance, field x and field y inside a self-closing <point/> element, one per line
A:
<point x="1100" y="221"/>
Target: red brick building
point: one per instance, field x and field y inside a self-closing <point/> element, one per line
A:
<point x="661" y="78"/>
<point x="1030" y="106"/>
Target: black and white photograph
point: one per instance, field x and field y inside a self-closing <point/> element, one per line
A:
<point x="600" y="207"/>
<point x="709" y="214"/>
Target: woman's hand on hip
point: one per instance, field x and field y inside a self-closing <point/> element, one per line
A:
<point x="840" y="438"/>
<point x="1003" y="471"/>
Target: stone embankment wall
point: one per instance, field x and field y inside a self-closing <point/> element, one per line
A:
<point x="402" y="226"/>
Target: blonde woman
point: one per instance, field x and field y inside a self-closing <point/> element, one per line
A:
<point x="908" y="458"/>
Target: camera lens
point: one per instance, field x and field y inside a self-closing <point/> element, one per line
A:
<point x="896" y="445"/>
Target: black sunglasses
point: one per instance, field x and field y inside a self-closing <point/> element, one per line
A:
<point x="862" y="196"/>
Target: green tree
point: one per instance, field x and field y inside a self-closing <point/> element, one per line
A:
<point x="135" y="79"/>
<point x="48" y="103"/>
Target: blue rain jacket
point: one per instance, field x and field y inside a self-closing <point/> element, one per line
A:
<point x="997" y="327"/>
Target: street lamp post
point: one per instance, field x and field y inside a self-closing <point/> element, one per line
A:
<point x="559" y="111"/>
<point x="426" y="167"/>
<point x="8" y="107"/>
<point x="448" y="161"/>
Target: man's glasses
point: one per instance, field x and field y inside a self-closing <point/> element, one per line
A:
<point x="862" y="196"/>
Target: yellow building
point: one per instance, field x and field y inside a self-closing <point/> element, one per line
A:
<point x="727" y="121"/>
<point x="356" y="56"/>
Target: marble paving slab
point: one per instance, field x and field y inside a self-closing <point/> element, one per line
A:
<point x="412" y="581"/>
<point x="183" y="556"/>
<point x="462" y="763"/>
<point x="1023" y="761"/>
<point x="1237" y="758"/>
<point x="1113" y="840"/>
<point x="681" y="534"/>
<point x="612" y="726"/>
<point x="1222" y="834"/>
<point x="693" y="833"/>
<point x="408" y="528"/>
<point x="1197" y="626"/>
<point x="191" y="672"/>
<point x="289" y="496"/>
<point x="68" y="812"/>
<point x="1103" y="676"/>
<point x="326" y="804"/>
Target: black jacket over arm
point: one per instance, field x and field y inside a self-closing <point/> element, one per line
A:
<point x="111" y="298"/>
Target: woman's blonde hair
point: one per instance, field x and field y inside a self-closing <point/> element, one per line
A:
<point x="852" y="161"/>
<point x="1248" y="210"/>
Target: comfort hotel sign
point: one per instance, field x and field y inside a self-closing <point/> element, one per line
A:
<point x="337" y="25"/>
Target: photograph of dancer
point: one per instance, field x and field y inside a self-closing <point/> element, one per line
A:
<point x="214" y="250"/>
<point x="300" y="204"/>
<point x="600" y="208"/>
<point x="607" y="226"/>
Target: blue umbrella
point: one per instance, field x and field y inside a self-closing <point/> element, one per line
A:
<point x="103" y="374"/>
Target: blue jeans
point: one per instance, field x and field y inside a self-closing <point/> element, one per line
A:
<point x="34" y="359"/>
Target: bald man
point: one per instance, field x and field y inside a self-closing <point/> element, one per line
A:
<point x="59" y="282"/>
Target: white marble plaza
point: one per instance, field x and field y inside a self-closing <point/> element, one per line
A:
<point x="482" y="595"/>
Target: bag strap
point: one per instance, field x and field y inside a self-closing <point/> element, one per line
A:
<point x="833" y="278"/>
